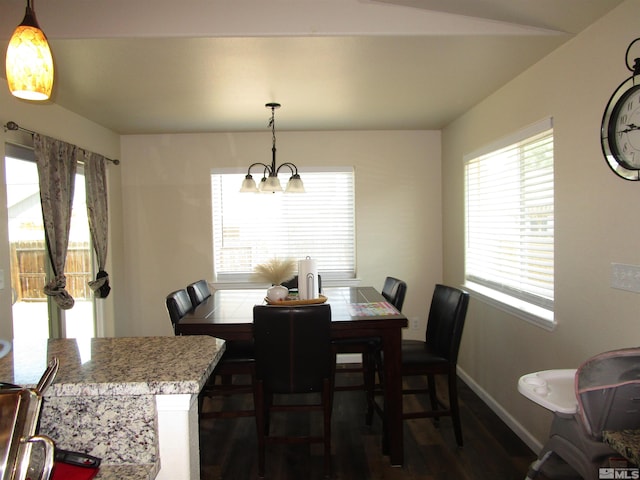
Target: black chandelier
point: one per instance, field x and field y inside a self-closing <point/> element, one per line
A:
<point x="270" y="182"/>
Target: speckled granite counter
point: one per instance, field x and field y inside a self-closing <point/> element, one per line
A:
<point x="107" y="398"/>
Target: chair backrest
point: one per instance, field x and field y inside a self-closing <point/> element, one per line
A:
<point x="293" y="350"/>
<point x="446" y="321"/>
<point x="178" y="305"/>
<point x="394" y="291"/>
<point x="293" y="283"/>
<point x="198" y="292"/>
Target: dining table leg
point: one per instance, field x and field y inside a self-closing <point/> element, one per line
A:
<point x="391" y="343"/>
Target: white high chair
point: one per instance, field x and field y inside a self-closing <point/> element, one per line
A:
<point x="568" y="452"/>
<point x="601" y="395"/>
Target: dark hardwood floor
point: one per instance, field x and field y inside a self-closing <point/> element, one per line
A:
<point x="491" y="450"/>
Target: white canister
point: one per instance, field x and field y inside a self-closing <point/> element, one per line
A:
<point x="308" y="287"/>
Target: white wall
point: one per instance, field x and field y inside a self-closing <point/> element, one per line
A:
<point x="596" y="221"/>
<point x="167" y="213"/>
<point x="49" y="119"/>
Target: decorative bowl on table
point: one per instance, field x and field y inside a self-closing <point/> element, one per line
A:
<point x="277" y="293"/>
<point x="295" y="300"/>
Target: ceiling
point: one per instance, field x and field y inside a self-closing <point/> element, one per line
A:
<point x="169" y="66"/>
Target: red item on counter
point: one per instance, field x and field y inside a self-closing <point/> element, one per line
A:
<point x="64" y="471"/>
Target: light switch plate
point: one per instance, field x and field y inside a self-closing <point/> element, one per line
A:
<point x="625" y="277"/>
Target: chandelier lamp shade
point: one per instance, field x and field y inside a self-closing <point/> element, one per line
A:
<point x="270" y="182"/>
<point x="29" y="64"/>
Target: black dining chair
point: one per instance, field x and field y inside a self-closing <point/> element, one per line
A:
<point x="178" y="305"/>
<point x="198" y="292"/>
<point x="294" y="355"/>
<point x="370" y="348"/>
<point x="394" y="291"/>
<point x="237" y="360"/>
<point x="437" y="355"/>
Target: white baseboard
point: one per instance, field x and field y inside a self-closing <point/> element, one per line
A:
<point x="499" y="410"/>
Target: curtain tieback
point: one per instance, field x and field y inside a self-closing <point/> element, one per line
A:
<point x="100" y="285"/>
<point x="56" y="289"/>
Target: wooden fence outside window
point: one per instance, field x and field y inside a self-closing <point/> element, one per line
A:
<point x="28" y="270"/>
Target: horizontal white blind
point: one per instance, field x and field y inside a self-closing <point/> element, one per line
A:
<point x="251" y="228"/>
<point x="510" y="220"/>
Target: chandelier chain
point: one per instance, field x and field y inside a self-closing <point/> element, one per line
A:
<point x="272" y="124"/>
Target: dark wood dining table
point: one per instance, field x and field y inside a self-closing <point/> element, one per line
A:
<point x="355" y="312"/>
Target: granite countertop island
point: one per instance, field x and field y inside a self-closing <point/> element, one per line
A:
<point x="124" y="400"/>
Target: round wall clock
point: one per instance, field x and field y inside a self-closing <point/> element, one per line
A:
<point x="620" y="129"/>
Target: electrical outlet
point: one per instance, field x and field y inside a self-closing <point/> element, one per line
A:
<point x="625" y="277"/>
<point x="415" y="323"/>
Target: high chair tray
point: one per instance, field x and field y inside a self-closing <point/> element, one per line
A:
<point x="551" y="389"/>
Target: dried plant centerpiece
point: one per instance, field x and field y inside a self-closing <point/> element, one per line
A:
<point x="275" y="272"/>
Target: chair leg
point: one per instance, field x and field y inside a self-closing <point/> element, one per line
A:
<point x="260" y="426"/>
<point x="433" y="396"/>
<point x="453" y="406"/>
<point x="327" y="427"/>
<point x="268" y="402"/>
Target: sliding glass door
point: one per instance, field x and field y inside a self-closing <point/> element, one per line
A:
<point x="34" y="314"/>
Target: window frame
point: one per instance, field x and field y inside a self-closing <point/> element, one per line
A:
<point x="537" y="314"/>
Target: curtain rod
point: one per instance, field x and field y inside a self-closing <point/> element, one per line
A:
<point x="15" y="126"/>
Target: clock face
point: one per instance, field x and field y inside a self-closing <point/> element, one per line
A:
<point x="620" y="134"/>
<point x="624" y="129"/>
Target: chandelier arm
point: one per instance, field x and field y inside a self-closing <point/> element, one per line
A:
<point x="267" y="168"/>
<point x="291" y="166"/>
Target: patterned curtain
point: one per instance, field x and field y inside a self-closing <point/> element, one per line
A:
<point x="96" y="181"/>
<point x="56" y="162"/>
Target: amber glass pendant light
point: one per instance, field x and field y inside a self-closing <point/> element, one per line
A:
<point x="29" y="64"/>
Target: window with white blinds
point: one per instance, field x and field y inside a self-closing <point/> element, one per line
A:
<point x="510" y="219"/>
<point x="252" y="228"/>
